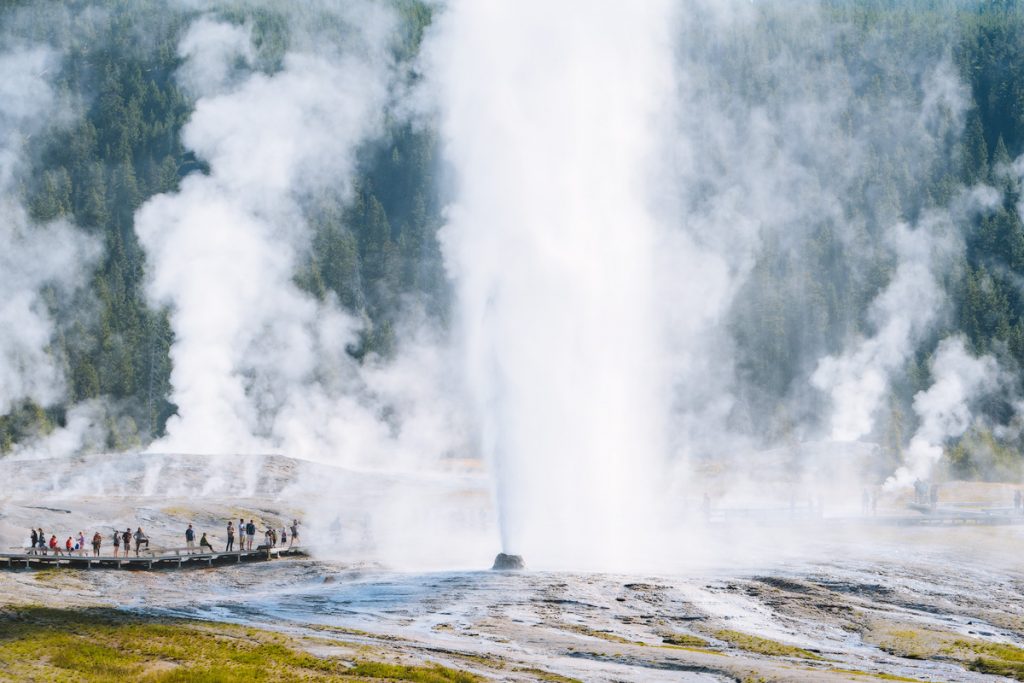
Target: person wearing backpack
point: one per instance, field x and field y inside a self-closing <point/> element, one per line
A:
<point x="127" y="538"/>
<point x="117" y="542"/>
<point x="250" y="534"/>
<point x="190" y="539"/>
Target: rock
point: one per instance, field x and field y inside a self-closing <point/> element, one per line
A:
<point x="505" y="562"/>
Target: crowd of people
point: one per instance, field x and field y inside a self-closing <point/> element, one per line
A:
<point x="925" y="493"/>
<point x="76" y="545"/>
<point x="122" y="540"/>
<point x="246" y="532"/>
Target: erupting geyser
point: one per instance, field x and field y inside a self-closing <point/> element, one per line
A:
<point x="552" y="246"/>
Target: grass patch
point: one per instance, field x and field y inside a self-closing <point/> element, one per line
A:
<point x="997" y="667"/>
<point x="763" y="646"/>
<point x="51" y="575"/>
<point x="684" y="640"/>
<point x="100" y="645"/>
<point x="179" y="512"/>
<point x="996" y="659"/>
<point x="603" y="635"/>
<point x="875" y="675"/>
<point x="345" y="630"/>
<point x="419" y="674"/>
<point x="542" y="675"/>
<point x="909" y="643"/>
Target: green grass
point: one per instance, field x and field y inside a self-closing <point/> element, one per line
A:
<point x="875" y="675"/>
<point x="684" y="640"/>
<point x="909" y="643"/>
<point x="977" y="655"/>
<point x="51" y="575"/>
<point x="762" y="646"/>
<point x="992" y="658"/>
<point x="419" y="674"/>
<point x="100" y="645"/>
<point x="603" y="635"/>
<point x="551" y="677"/>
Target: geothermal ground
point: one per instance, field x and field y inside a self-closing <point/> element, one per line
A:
<point x="846" y="600"/>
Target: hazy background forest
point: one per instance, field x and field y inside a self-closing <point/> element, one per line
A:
<point x="377" y="252"/>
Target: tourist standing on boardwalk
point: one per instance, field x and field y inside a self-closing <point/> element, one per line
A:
<point x="250" y="534"/>
<point x="241" y="534"/>
<point x="284" y="537"/>
<point x="140" y="539"/>
<point x="231" y="537"/>
<point x="127" y="538"/>
<point x="35" y="540"/>
<point x="42" y="541"/>
<point x="190" y="539"/>
<point x="96" y="541"/>
<point x="81" y="544"/>
<point x="203" y="543"/>
<point x="117" y="542"/>
<point x="295" y="532"/>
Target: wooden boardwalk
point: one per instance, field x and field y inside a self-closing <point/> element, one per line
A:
<point x="172" y="558"/>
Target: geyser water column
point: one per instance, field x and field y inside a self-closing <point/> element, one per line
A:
<point x="550" y="119"/>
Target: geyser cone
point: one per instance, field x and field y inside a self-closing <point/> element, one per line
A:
<point x="504" y="561"/>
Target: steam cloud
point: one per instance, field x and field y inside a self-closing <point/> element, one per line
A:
<point x="34" y="258"/>
<point x="256" y="360"/>
<point x="945" y="408"/>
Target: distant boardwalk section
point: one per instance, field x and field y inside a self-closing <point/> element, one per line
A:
<point x="167" y="558"/>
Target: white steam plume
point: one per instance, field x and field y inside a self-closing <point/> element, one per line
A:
<point x="902" y="314"/>
<point x="550" y="113"/>
<point x="33" y="256"/>
<point x="945" y="407"/>
<point x="776" y="143"/>
<point x="223" y="250"/>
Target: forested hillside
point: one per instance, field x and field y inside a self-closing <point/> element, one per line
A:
<point x="119" y="69"/>
<point x="378" y="253"/>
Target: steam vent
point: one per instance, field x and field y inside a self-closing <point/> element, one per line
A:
<point x="507" y="562"/>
